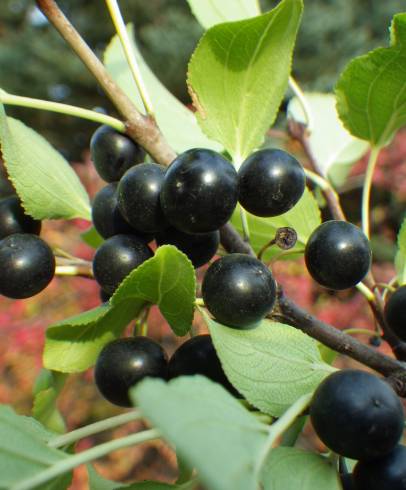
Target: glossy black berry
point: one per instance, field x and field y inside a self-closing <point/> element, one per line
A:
<point x="104" y="297"/>
<point x="198" y="356"/>
<point x="386" y="473"/>
<point x="395" y="312"/>
<point x="113" y="153"/>
<point x="124" y="362"/>
<point x="347" y="482"/>
<point x="27" y="265"/>
<point x="199" y="248"/>
<point x="271" y="182"/>
<point x="200" y="191"/>
<point x="116" y="258"/>
<point x="238" y="290"/>
<point x="138" y="197"/>
<point x="357" y="415"/>
<point x="13" y="218"/>
<point x="338" y="255"/>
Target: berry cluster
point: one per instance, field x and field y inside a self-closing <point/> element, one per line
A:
<point x="359" y="416"/>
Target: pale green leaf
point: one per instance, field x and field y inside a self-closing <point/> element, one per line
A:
<point x="238" y="75"/>
<point x="45" y="182"/>
<point x="47" y="387"/>
<point x="176" y="121"/>
<point x="272" y="365"/>
<point x="400" y="259"/>
<point x="212" y="12"/>
<point x="334" y="148"/>
<point x="371" y="91"/>
<point x="168" y="280"/>
<point x="303" y="218"/>
<point x="291" y="468"/>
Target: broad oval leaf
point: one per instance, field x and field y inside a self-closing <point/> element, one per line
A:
<point x="238" y="75"/>
<point x="272" y="365"/>
<point x="371" y="91"/>
<point x="167" y="280"/>
<point x="210" y="429"/>
<point x="212" y="12"/>
<point x="311" y="471"/>
<point x="177" y="122"/>
<point x="45" y="182"/>
<point x="303" y="218"/>
<point x="400" y="259"/>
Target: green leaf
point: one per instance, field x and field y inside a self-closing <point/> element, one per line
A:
<point x="334" y="148"/>
<point x="272" y="365"/>
<point x="47" y="387"/>
<point x="97" y="482"/>
<point x="290" y="468"/>
<point x="238" y="75"/>
<point x="210" y="13"/>
<point x="92" y="238"/>
<point x="176" y="121"/>
<point x="168" y="280"/>
<point x="303" y="218"/>
<point x="45" y="182"/>
<point x="371" y="91"/>
<point x="400" y="259"/>
<point x="23" y="449"/>
<point x="73" y="345"/>
<point x="210" y="429"/>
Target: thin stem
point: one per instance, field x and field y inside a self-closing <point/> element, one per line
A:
<point x="355" y="331"/>
<point x="265" y="248"/>
<point x="199" y="302"/>
<point x="245" y="225"/>
<point x="366" y="191"/>
<point x="69" y="110"/>
<point x="303" y="102"/>
<point x="88" y="430"/>
<point x="70" y="462"/>
<point x="318" y="180"/>
<point x="126" y="44"/>
<point x="369" y="295"/>
<point x="78" y="270"/>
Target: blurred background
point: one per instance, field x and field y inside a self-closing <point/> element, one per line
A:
<point x="332" y="32"/>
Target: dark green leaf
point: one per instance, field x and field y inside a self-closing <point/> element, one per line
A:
<point x="92" y="237"/>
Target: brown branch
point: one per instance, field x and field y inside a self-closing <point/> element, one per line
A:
<point x="232" y="241"/>
<point x="142" y="129"/>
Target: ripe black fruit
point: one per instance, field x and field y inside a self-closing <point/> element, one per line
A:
<point x="338" y="255"/>
<point x="271" y="182"/>
<point x="113" y="153"/>
<point x="238" y="290"/>
<point x="138" y="197"/>
<point x="395" y="312"/>
<point x="386" y="473"/>
<point x="14" y="220"/>
<point x="27" y="265"/>
<point x="200" y="191"/>
<point x="199" y="248"/>
<point x="357" y="415"/>
<point x="124" y="362"/>
<point x="116" y="258"/>
<point x="198" y="356"/>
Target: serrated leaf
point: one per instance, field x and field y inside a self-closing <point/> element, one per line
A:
<point x="210" y="429"/>
<point x="73" y="345"/>
<point x="311" y="471"/>
<point x="45" y="182"/>
<point x="176" y="121"/>
<point x="371" y="91"/>
<point x="238" y="75"/>
<point x="47" y="387"/>
<point x="212" y="12"/>
<point x="334" y="148"/>
<point x="400" y="259"/>
<point x="303" y="218"/>
<point x="92" y="238"/>
<point x="272" y="365"/>
<point x="167" y="280"/>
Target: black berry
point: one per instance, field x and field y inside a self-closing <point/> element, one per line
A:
<point x="395" y="312"/>
<point x="199" y="248"/>
<point x="200" y="191"/>
<point x="113" y="153"/>
<point x="116" y="258"/>
<point x="338" y="255"/>
<point x="271" y="182"/>
<point x="104" y="297"/>
<point x="357" y="415"/>
<point x="238" y="290"/>
<point x="138" y="197"/>
<point x="27" y="265"/>
<point x="386" y="473"/>
<point x="198" y="356"/>
<point x="13" y="218"/>
<point x="124" y="362"/>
